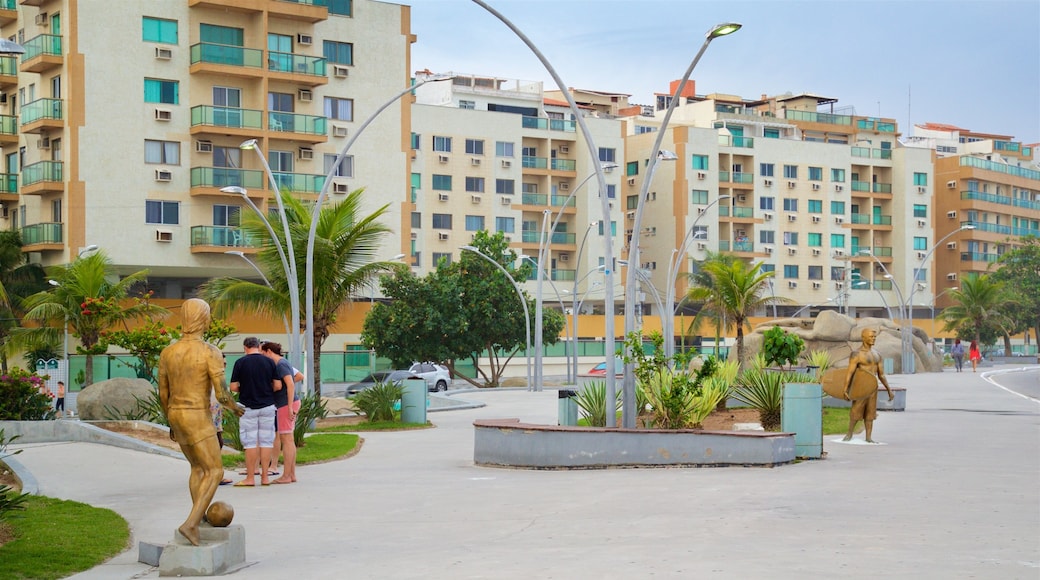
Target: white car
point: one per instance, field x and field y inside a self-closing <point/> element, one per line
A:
<point x="437" y="376"/>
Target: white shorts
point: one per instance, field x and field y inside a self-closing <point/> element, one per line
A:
<point x="256" y="428"/>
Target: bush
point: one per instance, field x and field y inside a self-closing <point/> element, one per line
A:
<point x="21" y="397"/>
<point x="592" y="403"/>
<point x="232" y="435"/>
<point x="781" y="347"/>
<point x="377" y="402"/>
<point x="312" y="408"/>
<point x="147" y="409"/>
<point x="764" y="390"/>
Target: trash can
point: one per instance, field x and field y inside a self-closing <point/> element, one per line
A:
<point x="889" y="365"/>
<point x="413" y="401"/>
<point x="568" y="407"/>
<point x="802" y="415"/>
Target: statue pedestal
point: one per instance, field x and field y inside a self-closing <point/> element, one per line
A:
<point x="220" y="550"/>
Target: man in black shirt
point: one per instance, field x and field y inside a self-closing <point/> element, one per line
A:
<point x="254" y="379"/>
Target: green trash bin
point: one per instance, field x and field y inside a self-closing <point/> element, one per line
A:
<point x="568" y="407"/>
<point x="414" y="401"/>
<point x="802" y="415"/>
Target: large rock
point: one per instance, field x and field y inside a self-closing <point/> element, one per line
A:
<point x="112" y="399"/>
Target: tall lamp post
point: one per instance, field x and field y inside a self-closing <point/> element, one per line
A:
<point x="523" y="302"/>
<point x="538" y="330"/>
<point x="628" y="410"/>
<point x="673" y="275"/>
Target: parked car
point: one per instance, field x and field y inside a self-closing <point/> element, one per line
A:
<point x="381" y="377"/>
<point x="438" y="377"/>
<point x="600" y="370"/>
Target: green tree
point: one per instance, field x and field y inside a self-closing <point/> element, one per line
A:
<point x="1019" y="270"/>
<point x="345" y="248"/>
<point x="977" y="304"/>
<point x="88" y="295"/>
<point x="734" y="291"/>
<point x="18" y="278"/>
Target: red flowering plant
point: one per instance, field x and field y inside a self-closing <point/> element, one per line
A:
<point x="24" y="397"/>
<point x="144" y="342"/>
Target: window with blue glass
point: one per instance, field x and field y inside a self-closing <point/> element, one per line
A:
<point x="442" y="182"/>
<point x="160" y="91"/>
<point x="790" y="271"/>
<point x="837" y="240"/>
<point x="838" y="175"/>
<point x="765" y="169"/>
<point x="611" y="191"/>
<point x="815" y="174"/>
<point x="815" y="206"/>
<point x="442" y="144"/>
<point x="613" y="228"/>
<point x="920" y="178"/>
<point x="162" y="212"/>
<point x="790" y="204"/>
<point x="816" y="272"/>
<point x="475" y="146"/>
<point x="838" y="207"/>
<point x="766" y="203"/>
<point x="475" y="184"/>
<point x="699" y="197"/>
<point x="766" y="236"/>
<point x="700" y="162"/>
<point x="504" y="149"/>
<point x="416" y="220"/>
<point x="441" y="221"/>
<point x="505" y="186"/>
<point x="341" y="7"/>
<point x="506" y="225"/>
<point x="607" y="155"/>
<point x="632" y="168"/>
<point x="920" y="244"/>
<point x="771" y="133"/>
<point x="416" y="141"/>
<point x="920" y="210"/>
<point x="159" y="30"/>
<point x="791" y="171"/>
<point x="338" y="52"/>
<point x="768" y="268"/>
<point x="815" y="240"/>
<point x="474" y="223"/>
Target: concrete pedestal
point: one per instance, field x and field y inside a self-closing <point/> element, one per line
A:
<point x="220" y="550"/>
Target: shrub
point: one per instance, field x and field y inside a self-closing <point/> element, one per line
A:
<point x="592" y="403"/>
<point x="232" y="435"/>
<point x="10" y="500"/>
<point x="147" y="409"/>
<point x="763" y="390"/>
<point x="377" y="402"/>
<point x="312" y="408"/>
<point x="781" y="347"/>
<point x="820" y="359"/>
<point x="22" y="399"/>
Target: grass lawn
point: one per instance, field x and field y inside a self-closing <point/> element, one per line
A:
<point x="56" y="538"/>
<point x="319" y="448"/>
<point x="374" y="426"/>
<point x="836" y="421"/>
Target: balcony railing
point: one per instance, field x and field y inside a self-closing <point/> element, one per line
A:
<point x="223" y="236"/>
<point x="814" y="117"/>
<point x="563" y="164"/>
<point x="8" y="66"/>
<point x="296" y="63"/>
<point x="979" y="257"/>
<point x="227" y="176"/>
<point x="727" y="177"/>
<point x="743" y="246"/>
<point x="558" y="201"/>
<point x="1000" y="199"/>
<point x="860" y="186"/>
<point x="868" y="219"/>
<point x="535" y="199"/>
<point x="42" y="171"/>
<point x="41" y="45"/>
<point x="8" y="4"/>
<point x="882" y="284"/>
<point x="872" y="124"/>
<point x="1005" y="230"/>
<point x="882" y="188"/>
<point x="555" y="274"/>
<point x="881" y="153"/>
<point x="969" y="161"/>
<point x="531" y="237"/>
<point x="41" y="109"/>
<point x="882" y="220"/>
<point x="551" y="124"/>
<point x="8" y="125"/>
<point x="9" y="183"/>
<point x="43" y="233"/>
<point x="879" y="251"/>
<point x="299" y="182"/>
<point x="230" y="117"/>
<point x="529" y="162"/>
<point x="737" y="141"/>
<point x="296" y="123"/>
<point x="211" y="53"/>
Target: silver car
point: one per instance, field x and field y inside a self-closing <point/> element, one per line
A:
<point x="438" y="377"/>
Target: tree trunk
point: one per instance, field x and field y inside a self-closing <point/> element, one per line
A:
<point x="88" y="373"/>
<point x="1007" y="344"/>
<point x="316" y="353"/>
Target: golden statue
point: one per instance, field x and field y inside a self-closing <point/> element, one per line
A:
<point x="861" y="384"/>
<point x="189" y="371"/>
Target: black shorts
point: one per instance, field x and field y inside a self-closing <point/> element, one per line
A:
<point x="59" y="404"/>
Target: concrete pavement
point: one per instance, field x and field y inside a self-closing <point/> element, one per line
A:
<point x="952" y="493"/>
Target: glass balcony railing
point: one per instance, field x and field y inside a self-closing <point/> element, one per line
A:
<point x="743" y="246"/>
<point x="9" y="183"/>
<point x="44" y="233"/>
<point x="559" y="200"/>
<point x="40" y="45"/>
<point x="723" y="210"/>
<point x="558" y="275"/>
<point x="532" y="237"/>
<point x="42" y="171"/>
<point x="299" y="182"/>
<point x="724" y="177"/>
<point x="737" y="141"/>
<point x="8" y="125"/>
<point x="969" y="161"/>
<point x="860" y="186"/>
<point x="308" y="2"/>
<point x="227" y="177"/>
<point x="535" y="199"/>
<point x="41" y="109"/>
<point x="211" y="53"/>
<point x="882" y="188"/>
<point x="882" y="220"/>
<point x="882" y="284"/>
<point x="561" y="125"/>
<point x="860" y="218"/>
<point x="979" y="257"/>
<point x="814" y="117"/>
<point x="296" y="123"/>
<point x="563" y="164"/>
<point x="8" y="66"/>
<point x="1000" y="199"/>
<point x="529" y="162"/>
<point x="550" y="124"/>
<point x="8" y="4"/>
<point x="231" y="117"/>
<point x="563" y="238"/>
<point x="1003" y="230"/>
<point x="296" y="63"/>
<point x="222" y="236"/>
<point x="861" y="152"/>
<point x="879" y="251"/>
<point x="881" y="153"/>
<point x="743" y="212"/>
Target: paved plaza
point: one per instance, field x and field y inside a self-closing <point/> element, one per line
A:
<point x="951" y="493"/>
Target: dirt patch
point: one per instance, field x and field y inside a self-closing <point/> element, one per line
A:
<point x="7" y="478"/>
<point x="724" y="420"/>
<point x="144" y="433"/>
<point x="6" y="533"/>
<point x="340" y="421"/>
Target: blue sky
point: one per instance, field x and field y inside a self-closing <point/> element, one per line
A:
<point x="971" y="64"/>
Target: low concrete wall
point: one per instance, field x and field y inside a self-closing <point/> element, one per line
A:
<point x="883" y="404"/>
<point x="509" y="443"/>
<point x="79" y="431"/>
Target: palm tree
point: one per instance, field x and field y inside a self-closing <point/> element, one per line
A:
<point x="701" y="278"/>
<point x="978" y="301"/>
<point x="18" y="278"/>
<point x="733" y="290"/>
<point x="345" y="248"/>
<point x="86" y="295"/>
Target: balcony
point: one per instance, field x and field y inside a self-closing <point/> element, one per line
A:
<point x="299" y="182"/>
<point x="563" y="165"/>
<point x="209" y="180"/>
<point x="308" y="128"/>
<point x="861" y="186"/>
<point x="530" y="237"/>
<point x="41" y="115"/>
<point x="217" y="239"/>
<point x="814" y="117"/>
<point x="297" y="68"/>
<point x="540" y="199"/>
<point x="1000" y="200"/>
<point x="873" y="124"/>
<point x="1003" y="230"/>
<point x="223" y="59"/>
<point x="42" y="53"/>
<point x="227" y="120"/>
<point x="868" y="153"/>
<point x="882" y="187"/>
<point x="8" y="187"/>
<point x="868" y="219"/>
<point x="737" y="141"/>
<point x="969" y="161"/>
<point x="529" y="162"/>
<point x="8" y="11"/>
<point x="8" y="130"/>
<point x="42" y="177"/>
<point x="42" y="237"/>
<point x="979" y="257"/>
<point x="8" y="72"/>
<point x="561" y="200"/>
<point x="549" y="124"/>
<point x="877" y="251"/>
<point x="302" y="10"/>
<point x="736" y="212"/>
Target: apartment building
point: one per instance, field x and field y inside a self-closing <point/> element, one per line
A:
<point x="123" y="121"/>
<point x="496" y="154"/>
<point x="986" y="181"/>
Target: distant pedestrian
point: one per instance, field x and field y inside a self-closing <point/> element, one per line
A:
<point x="288" y="406"/>
<point x="59" y="403"/>
<point x="974" y="355"/>
<point x="957" y="352"/>
<point x="253" y="378"/>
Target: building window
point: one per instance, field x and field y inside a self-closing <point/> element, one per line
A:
<point x="441" y="257"/>
<point x="441" y="221"/>
<point x="227" y="215"/>
<point x="815" y="240"/>
<point x="920" y="210"/>
<point x="442" y="144"/>
<point x="766" y="203"/>
<point x="475" y="146"/>
<point x="504" y="149"/>
<point x="338" y="52"/>
<point x="791" y="204"/>
<point x="699" y="196"/>
<point x="765" y="169"/>
<point x="160" y="91"/>
<point x="474" y="223"/>
<point x="700" y="162"/>
<point x="341" y="7"/>
<point x="815" y="174"/>
<point x="815" y="272"/>
<point x="339" y="109"/>
<point x="611" y="191"/>
<point x="790" y="238"/>
<point x="468" y="105"/>
<point x="766" y="236"/>
<point x="416" y="141"/>
<point x="613" y="228"/>
<point x="163" y="152"/>
<point x="505" y="186"/>
<point x="771" y="133"/>
<point x="920" y="179"/>
<point x="162" y="212"/>
<point x="442" y="182"/>
<point x="837" y="240"/>
<point x="506" y="225"/>
<point x="838" y="207"/>
<point x="345" y="168"/>
<point x="607" y="155"/>
<point x="159" y="30"/>
<point x="416" y="220"/>
<point x="790" y="271"/>
<point x="838" y="175"/>
<point x="631" y="202"/>
<point x="815" y="206"/>
<point x="475" y="184"/>
<point x="791" y="171"/>
<point x="631" y="168"/>
<point x="920" y="244"/>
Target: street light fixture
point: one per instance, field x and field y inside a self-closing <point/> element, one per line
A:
<point x="540" y="319"/>
<point x="628" y="410"/>
<point x="523" y="302"/>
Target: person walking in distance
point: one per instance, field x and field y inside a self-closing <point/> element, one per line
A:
<point x="974" y="355"/>
<point x="253" y="378"/>
<point x="288" y="407"/>
<point x="957" y="352"/>
<point x="59" y="402"/>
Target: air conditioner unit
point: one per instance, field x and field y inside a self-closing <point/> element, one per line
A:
<point x="701" y="210"/>
<point x="816" y="285"/>
<point x="951" y="214"/>
<point x="304" y="39"/>
<point x="565" y="257"/>
<point x="839" y="220"/>
<point x="838" y="286"/>
<point x="951" y="184"/>
<point x="443" y="158"/>
<point x="792" y="251"/>
<point x="163" y="236"/>
<point x="791" y="184"/>
<point x="306" y="153"/>
<point x="474" y="161"/>
<point x="340" y="188"/>
<point x="305" y="95"/>
<point x="767" y="216"/>
<point x="443" y="236"/>
<point x="792" y="284"/>
<point x="339" y="131"/>
<point x="163" y="115"/>
<point x="951" y="276"/>
<point x="816" y="187"/>
<point x="951" y="245"/>
<point x="702" y="246"/>
<point x="922" y="189"/>
<point x="631" y="180"/>
<point x="741" y="198"/>
<point x="815" y="219"/>
<point x="839" y="253"/>
<point x="921" y="223"/>
<point x="43" y="143"/>
<point x="507" y="200"/>
<point x="415" y="235"/>
<point x="507" y="163"/>
<point x="921" y="255"/>
<point x="768" y="183"/>
<point x="565" y="149"/>
<point x="163" y="175"/>
<point x="474" y="199"/>
<point x="816" y="251"/>
<point x="163" y="53"/>
<point x="442" y="197"/>
<point x="340" y="71"/>
<point x="769" y="249"/>
<point x="630" y="215"/>
<point x="41" y="19"/>
<point x="565" y="186"/>
<point x="702" y="175"/>
<point x="839" y="188"/>
<point x="204" y="147"/>
<point x="792" y="217"/>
